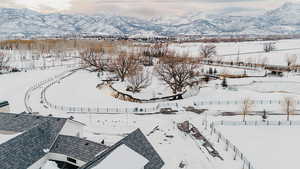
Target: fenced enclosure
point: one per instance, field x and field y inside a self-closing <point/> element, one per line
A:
<point x="77" y="109"/>
<point x="239" y="102"/>
<point x="230" y="146"/>
<point x="36" y="86"/>
<point x="257" y="123"/>
<point x="246" y="164"/>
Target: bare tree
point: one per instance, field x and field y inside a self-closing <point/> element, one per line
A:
<point x="178" y="72"/>
<point x="208" y="51"/>
<point x="125" y="64"/>
<point x="291" y="60"/>
<point x="247" y="105"/>
<point x="269" y="46"/>
<point x="3" y="61"/>
<point x="288" y="106"/>
<point x="93" y="57"/>
<point x="155" y="50"/>
<point x="140" y="80"/>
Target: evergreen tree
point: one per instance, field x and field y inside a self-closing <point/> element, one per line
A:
<point x="210" y="71"/>
<point x="264" y="116"/>
<point x="224" y="83"/>
<point x="215" y="71"/>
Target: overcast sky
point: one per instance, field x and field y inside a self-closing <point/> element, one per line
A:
<point x="139" y="8"/>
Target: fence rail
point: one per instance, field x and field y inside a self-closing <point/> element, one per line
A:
<point x="257" y="123"/>
<point x="36" y="86"/>
<point x="97" y="110"/>
<point x="239" y="102"/>
<point x="228" y="145"/>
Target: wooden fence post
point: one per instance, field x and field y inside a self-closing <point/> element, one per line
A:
<point x="235" y="153"/>
<point x="227" y="145"/>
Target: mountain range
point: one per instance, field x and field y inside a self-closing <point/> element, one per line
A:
<point x="25" y="22"/>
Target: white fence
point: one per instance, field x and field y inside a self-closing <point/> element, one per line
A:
<point x="239" y="102"/>
<point x="36" y="86"/>
<point x="257" y="123"/>
<point x="97" y="110"/>
<point x="228" y="145"/>
<point x="246" y="164"/>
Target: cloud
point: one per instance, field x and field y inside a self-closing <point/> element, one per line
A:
<point x="43" y="5"/>
<point x="149" y="8"/>
<point x="139" y="8"/>
<point x="7" y="4"/>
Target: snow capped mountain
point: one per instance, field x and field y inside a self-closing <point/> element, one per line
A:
<point x="24" y="22"/>
<point x="288" y="14"/>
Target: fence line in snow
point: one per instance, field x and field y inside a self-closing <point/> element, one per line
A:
<point x="239" y="102"/>
<point x="228" y="145"/>
<point x="36" y="86"/>
<point x="72" y="65"/>
<point x="99" y="110"/>
<point x="257" y="123"/>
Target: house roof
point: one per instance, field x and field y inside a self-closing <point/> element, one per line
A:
<point x="23" y="122"/>
<point x="25" y="149"/>
<point x="76" y="147"/>
<point x="30" y="137"/>
<point x="138" y="143"/>
<point x="130" y="159"/>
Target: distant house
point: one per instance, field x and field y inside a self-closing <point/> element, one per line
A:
<point x="28" y="142"/>
<point x="4" y="106"/>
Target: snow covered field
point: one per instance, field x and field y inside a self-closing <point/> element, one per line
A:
<point x="80" y="89"/>
<point x="13" y="86"/>
<point x="246" y="51"/>
<point x="174" y="147"/>
<point x="275" y="147"/>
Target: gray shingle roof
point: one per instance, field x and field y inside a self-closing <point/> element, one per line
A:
<point x="23" y="150"/>
<point x="22" y="122"/>
<point x="137" y="142"/>
<point x="78" y="148"/>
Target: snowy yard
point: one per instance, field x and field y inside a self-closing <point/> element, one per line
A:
<point x="273" y="147"/>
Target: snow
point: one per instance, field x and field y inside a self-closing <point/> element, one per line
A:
<point x="80" y="90"/>
<point x="4" y="137"/>
<point x="266" y="146"/>
<point x="246" y="51"/>
<point x="50" y="165"/>
<point x="123" y="157"/>
<point x="16" y="85"/>
<point x="30" y="23"/>
<point x="84" y="88"/>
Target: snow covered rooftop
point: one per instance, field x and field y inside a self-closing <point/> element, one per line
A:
<point x="123" y="157"/>
<point x="132" y="152"/>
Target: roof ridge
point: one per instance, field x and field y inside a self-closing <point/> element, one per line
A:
<point x="57" y="135"/>
<point x="109" y="150"/>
